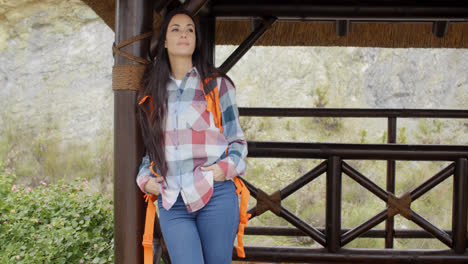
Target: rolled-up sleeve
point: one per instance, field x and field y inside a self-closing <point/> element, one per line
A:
<point x="144" y="174"/>
<point x="234" y="162"/>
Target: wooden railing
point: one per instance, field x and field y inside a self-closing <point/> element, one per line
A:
<point x="333" y="237"/>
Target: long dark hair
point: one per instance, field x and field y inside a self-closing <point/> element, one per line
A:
<point x="154" y="84"/>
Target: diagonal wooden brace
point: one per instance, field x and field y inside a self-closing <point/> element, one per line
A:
<point x="399" y="205"/>
<point x="268" y="202"/>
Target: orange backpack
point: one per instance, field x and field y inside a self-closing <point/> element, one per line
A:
<point x="211" y="92"/>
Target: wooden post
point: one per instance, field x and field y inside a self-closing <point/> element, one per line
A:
<point x="460" y="205"/>
<point x="333" y="210"/>
<point x="391" y="138"/>
<point x="208" y="28"/>
<point x="133" y="17"/>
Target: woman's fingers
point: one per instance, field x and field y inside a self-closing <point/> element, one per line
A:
<point x="208" y="168"/>
<point x="152" y="186"/>
<point x="219" y="177"/>
<point x="218" y="173"/>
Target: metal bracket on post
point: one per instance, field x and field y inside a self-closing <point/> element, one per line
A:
<point x="399" y="205"/>
<point x="342" y="27"/>
<point x="440" y="28"/>
<point x="267" y="202"/>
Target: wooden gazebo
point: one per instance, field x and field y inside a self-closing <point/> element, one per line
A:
<point x="372" y="23"/>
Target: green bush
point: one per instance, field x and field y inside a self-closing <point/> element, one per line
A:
<point x="56" y="223"/>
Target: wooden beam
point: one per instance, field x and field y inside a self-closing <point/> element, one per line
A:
<point x="247" y="44"/>
<point x="444" y="10"/>
<point x="194" y="6"/>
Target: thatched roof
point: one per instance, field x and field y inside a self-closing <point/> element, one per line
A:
<point x="389" y="35"/>
<point x="385" y="23"/>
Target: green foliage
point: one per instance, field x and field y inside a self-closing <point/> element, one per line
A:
<point x="54" y="223"/>
<point x="402" y="138"/>
<point x="429" y="131"/>
<point x="366" y="243"/>
<point x="265" y="124"/>
<point x="384" y="137"/>
<point x="321" y="97"/>
<point x="363" y="136"/>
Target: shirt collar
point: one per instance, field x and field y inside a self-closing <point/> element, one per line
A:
<point x="190" y="72"/>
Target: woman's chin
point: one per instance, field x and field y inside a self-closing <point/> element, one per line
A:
<point x="182" y="53"/>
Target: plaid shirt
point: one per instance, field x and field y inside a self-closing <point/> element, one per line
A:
<point x="192" y="140"/>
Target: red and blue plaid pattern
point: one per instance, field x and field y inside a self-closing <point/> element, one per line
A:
<point x="192" y="140"/>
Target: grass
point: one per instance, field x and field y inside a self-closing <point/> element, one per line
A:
<point x="39" y="154"/>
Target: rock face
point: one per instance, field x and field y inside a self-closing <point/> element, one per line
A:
<point x="55" y="67"/>
<point x="354" y="77"/>
<point x="56" y="63"/>
<point x="419" y="78"/>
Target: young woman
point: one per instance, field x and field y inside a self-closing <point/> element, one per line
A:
<point x="195" y="159"/>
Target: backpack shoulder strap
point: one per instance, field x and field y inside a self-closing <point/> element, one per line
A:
<point x="149" y="229"/>
<point x="211" y="92"/>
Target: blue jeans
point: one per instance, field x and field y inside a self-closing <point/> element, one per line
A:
<point x="205" y="236"/>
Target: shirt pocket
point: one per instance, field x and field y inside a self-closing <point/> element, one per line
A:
<point x="197" y="117"/>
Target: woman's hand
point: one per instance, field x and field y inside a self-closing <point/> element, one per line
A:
<point x="218" y="173"/>
<point x="152" y="186"/>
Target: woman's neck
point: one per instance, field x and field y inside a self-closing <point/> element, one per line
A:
<point x="180" y="66"/>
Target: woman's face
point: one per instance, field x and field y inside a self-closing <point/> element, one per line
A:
<point x="180" y="36"/>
